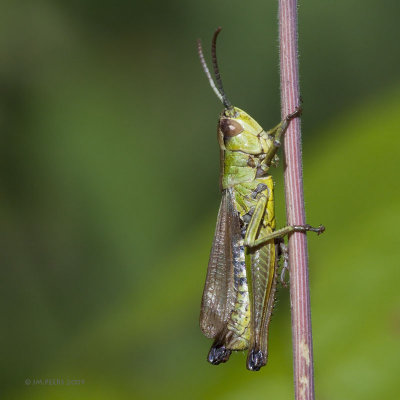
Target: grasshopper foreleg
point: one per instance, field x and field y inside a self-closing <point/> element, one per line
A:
<point x="275" y="134"/>
<point x="280" y="129"/>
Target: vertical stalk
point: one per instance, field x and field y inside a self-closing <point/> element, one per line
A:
<point x="299" y="281"/>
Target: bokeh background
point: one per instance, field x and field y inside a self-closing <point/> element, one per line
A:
<point x="109" y="195"/>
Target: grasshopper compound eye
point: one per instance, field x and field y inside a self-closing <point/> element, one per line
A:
<point x="230" y="127"/>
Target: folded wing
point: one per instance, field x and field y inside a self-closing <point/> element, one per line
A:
<point x="219" y="291"/>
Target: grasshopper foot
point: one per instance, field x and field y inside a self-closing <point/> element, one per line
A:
<point x="304" y="228"/>
<point x="296" y="113"/>
<point x="218" y="354"/>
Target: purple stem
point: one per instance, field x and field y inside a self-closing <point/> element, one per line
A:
<point x="299" y="281"/>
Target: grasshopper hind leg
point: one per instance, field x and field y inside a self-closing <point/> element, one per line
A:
<point x="256" y="359"/>
<point x="218" y="353"/>
<point x="283" y="254"/>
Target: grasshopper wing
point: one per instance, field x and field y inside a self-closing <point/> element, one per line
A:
<point x="219" y="290"/>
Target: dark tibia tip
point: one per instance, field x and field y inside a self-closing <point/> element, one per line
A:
<point x="218" y="354"/>
<point x="255" y="360"/>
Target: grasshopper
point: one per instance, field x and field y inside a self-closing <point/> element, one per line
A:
<point x="239" y="291"/>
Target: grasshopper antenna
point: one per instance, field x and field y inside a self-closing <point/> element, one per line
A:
<point x="219" y="91"/>
<point x="225" y="100"/>
<point x="207" y="71"/>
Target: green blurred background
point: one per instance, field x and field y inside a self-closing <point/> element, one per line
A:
<point x="109" y="195"/>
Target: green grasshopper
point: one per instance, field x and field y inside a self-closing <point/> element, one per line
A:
<point x="239" y="292"/>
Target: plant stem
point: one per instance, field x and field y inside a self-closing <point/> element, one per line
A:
<point x="299" y="281"/>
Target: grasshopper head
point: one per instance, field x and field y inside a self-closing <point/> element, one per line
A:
<point x="238" y="131"/>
